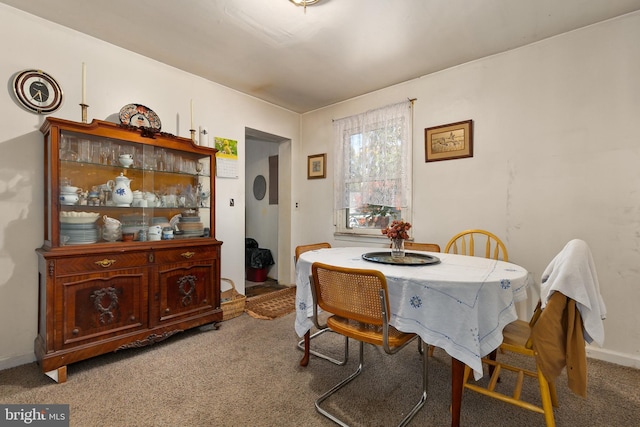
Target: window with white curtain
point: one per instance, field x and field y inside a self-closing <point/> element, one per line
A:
<point x="372" y="174"/>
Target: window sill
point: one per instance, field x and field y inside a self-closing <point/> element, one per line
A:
<point x="367" y="239"/>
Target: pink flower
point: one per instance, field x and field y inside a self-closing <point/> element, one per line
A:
<point x="397" y="230"/>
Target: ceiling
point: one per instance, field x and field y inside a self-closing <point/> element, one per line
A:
<point x="303" y="60"/>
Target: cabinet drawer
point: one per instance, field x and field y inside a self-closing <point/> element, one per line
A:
<point x="101" y="262"/>
<point x="197" y="253"/>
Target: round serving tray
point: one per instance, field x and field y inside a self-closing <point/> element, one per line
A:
<point x="409" y="258"/>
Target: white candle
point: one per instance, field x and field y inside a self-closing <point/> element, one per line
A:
<point x="192" y="114"/>
<point x="84" y="83"/>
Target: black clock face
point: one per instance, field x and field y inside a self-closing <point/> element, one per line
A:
<point x="37" y="91"/>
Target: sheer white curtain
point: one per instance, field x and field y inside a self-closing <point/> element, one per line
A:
<point x="373" y="158"/>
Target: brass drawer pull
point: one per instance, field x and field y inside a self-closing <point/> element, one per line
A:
<point x="106" y="262"/>
<point x="187" y="254"/>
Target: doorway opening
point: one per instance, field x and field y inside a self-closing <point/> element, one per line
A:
<point x="268" y="202"/>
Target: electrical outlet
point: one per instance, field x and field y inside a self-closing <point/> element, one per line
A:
<point x="297" y="205"/>
<point x="232" y="202"/>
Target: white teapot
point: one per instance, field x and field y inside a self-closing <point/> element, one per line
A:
<point x="122" y="195"/>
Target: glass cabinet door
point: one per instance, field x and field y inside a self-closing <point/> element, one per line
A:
<point x="113" y="190"/>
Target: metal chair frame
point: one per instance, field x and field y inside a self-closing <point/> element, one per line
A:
<point x="322" y="329"/>
<point x="372" y="335"/>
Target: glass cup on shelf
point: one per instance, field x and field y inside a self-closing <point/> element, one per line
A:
<point x="69" y="148"/>
<point x="96" y="147"/>
<point x="105" y="152"/>
<point x="84" y="150"/>
<point x="161" y="161"/>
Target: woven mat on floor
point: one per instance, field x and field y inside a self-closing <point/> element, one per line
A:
<point x="272" y="305"/>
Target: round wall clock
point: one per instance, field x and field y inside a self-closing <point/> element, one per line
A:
<point x="37" y="91"/>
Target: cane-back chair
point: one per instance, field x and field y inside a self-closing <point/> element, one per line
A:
<point x="305" y="343"/>
<point x="427" y="247"/>
<point x="357" y="300"/>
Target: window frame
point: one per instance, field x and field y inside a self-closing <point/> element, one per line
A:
<point x="342" y="215"/>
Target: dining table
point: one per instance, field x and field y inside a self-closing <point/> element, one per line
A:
<point x="459" y="303"/>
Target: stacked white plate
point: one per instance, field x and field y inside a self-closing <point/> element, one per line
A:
<point x="79" y="234"/>
<point x="190" y="226"/>
<point x="79" y="228"/>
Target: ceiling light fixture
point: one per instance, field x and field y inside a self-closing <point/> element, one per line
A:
<point x="304" y="3"/>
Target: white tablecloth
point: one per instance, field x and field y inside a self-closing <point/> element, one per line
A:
<point x="461" y="304"/>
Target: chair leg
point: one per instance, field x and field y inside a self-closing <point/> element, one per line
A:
<point x="554" y="394"/>
<point x="546" y="397"/>
<point x="492" y="356"/>
<point x="358" y="371"/>
<point x="301" y="346"/>
<point x="423" y="396"/>
<point x="338" y="387"/>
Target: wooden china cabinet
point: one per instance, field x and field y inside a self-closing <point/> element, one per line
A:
<point x="107" y="280"/>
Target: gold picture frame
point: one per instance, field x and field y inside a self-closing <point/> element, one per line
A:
<point x="451" y="141"/>
<point x="316" y="166"/>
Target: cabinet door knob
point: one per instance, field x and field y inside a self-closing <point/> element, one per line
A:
<point x="76" y="331"/>
<point x="187" y="254"/>
<point x="105" y="262"/>
<point x="132" y="318"/>
<point x="167" y="310"/>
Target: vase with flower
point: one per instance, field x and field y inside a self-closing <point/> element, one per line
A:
<point x="397" y="232"/>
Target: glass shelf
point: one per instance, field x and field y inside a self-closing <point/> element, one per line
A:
<point x="163" y="177"/>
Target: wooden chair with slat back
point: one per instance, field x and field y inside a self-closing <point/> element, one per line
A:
<point x="493" y="248"/>
<point x="517" y="339"/>
<point x="357" y="300"/>
<point x="553" y="338"/>
<point x="464" y="243"/>
<point x="310" y="247"/>
<point x="304" y="344"/>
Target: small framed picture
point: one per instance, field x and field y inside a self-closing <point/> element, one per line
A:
<point x="446" y="142"/>
<point x="316" y="166"/>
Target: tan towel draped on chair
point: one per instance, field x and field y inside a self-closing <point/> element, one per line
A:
<point x="558" y="342"/>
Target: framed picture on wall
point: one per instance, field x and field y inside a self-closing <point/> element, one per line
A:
<point x="316" y="166"/>
<point x="446" y="142"/>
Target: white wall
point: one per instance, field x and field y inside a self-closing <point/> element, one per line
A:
<point x="115" y="77"/>
<point x="556" y="154"/>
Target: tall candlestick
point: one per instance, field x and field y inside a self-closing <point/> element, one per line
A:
<point x="192" y="114"/>
<point x="84" y="83"/>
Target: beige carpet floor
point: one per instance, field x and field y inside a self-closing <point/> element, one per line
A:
<point x="246" y="373"/>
